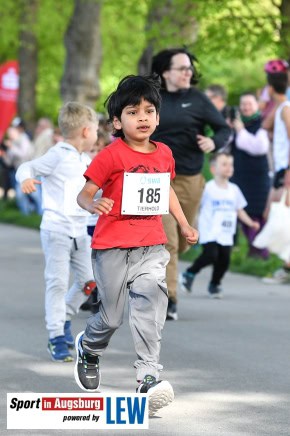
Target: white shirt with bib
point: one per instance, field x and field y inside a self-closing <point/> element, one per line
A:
<point x="218" y="213"/>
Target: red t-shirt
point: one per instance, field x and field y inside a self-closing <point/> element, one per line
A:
<point x="107" y="171"/>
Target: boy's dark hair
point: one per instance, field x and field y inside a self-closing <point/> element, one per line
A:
<point x="218" y="90"/>
<point x="214" y="156"/>
<point x="162" y="62"/>
<point x="278" y="81"/>
<point x="130" y="91"/>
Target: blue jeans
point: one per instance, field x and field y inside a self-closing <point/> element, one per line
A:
<point x="28" y="203"/>
<point x="62" y="252"/>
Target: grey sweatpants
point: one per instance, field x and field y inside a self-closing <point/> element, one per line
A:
<point x="141" y="272"/>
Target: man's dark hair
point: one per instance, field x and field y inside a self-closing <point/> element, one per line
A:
<point x="218" y="90"/>
<point x="162" y="62"/>
<point x="130" y="91"/>
<point x="278" y="81"/>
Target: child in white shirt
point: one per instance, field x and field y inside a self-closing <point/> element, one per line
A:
<point x="63" y="227"/>
<point x="222" y="202"/>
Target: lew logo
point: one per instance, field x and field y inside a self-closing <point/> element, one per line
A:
<point x="125" y="410"/>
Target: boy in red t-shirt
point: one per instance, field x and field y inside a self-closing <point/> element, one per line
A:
<point x="129" y="257"/>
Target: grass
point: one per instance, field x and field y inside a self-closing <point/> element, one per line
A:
<point x="11" y="215"/>
<point x="240" y="261"/>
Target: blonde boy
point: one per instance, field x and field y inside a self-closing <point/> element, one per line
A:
<point x="64" y="236"/>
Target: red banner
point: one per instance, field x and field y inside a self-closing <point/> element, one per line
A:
<point x="9" y="85"/>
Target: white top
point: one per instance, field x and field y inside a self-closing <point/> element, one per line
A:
<point x="281" y="143"/>
<point x="254" y="144"/>
<point x="61" y="167"/>
<point x="218" y="213"/>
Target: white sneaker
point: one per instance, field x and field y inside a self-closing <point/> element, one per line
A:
<point x="279" y="277"/>
<point x="160" y="393"/>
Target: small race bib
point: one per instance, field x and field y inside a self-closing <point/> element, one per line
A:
<point x="145" y="194"/>
<point x="225" y="226"/>
<point x="71" y="190"/>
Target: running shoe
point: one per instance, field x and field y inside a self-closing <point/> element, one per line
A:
<point x="279" y="277"/>
<point x="160" y="393"/>
<point x="171" y="311"/>
<point x="58" y="350"/>
<point x="86" y="372"/>
<point x="186" y="280"/>
<point x="215" y="291"/>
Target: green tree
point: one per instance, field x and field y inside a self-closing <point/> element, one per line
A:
<point x="28" y="61"/>
<point x="231" y="38"/>
<point x="80" y="81"/>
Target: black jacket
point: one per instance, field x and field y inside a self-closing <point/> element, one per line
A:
<point x="251" y="174"/>
<point x="183" y="115"/>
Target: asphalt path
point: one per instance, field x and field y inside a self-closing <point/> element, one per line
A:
<point x="228" y="360"/>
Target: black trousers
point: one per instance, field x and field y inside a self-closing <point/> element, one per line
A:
<point x="216" y="255"/>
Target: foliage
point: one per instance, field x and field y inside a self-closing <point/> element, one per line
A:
<point x="122" y="31"/>
<point x="231" y="38"/>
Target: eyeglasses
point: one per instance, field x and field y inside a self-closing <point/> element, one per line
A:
<point x="184" y="69"/>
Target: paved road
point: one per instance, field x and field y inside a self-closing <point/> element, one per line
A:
<point x="228" y="360"/>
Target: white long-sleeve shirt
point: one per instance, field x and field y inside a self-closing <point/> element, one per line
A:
<point x="62" y="169"/>
<point x="254" y="144"/>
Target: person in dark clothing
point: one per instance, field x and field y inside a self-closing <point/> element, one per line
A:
<point x="218" y="96"/>
<point x="185" y="112"/>
<point x="251" y="169"/>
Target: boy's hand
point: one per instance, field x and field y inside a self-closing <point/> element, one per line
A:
<point x="256" y="225"/>
<point x="101" y="206"/>
<point x="238" y="125"/>
<point x="205" y="144"/>
<point x="190" y="234"/>
<point x="28" y="185"/>
<point x="287" y="179"/>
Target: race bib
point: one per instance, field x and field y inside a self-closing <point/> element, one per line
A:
<point x="145" y="194"/>
<point x="225" y="226"/>
<point x="71" y="190"/>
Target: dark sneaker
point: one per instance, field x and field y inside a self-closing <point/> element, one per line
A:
<point x="215" y="291"/>
<point x="69" y="339"/>
<point x="186" y="280"/>
<point x="92" y="303"/>
<point x="58" y="350"/>
<point x="160" y="393"/>
<point x="87" y="373"/>
<point x="172" y="311"/>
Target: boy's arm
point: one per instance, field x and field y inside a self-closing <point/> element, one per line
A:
<point x="28" y="171"/>
<point x="268" y="122"/>
<point x="190" y="234"/>
<point x="286" y="118"/>
<point x="85" y="199"/>
<point x="246" y="219"/>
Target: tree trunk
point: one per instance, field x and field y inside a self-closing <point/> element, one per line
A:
<point x="28" y="62"/>
<point x="285" y="29"/>
<point x="80" y="81"/>
<point x="176" y="27"/>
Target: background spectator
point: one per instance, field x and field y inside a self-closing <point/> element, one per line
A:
<point x="251" y="170"/>
<point x="185" y="113"/>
